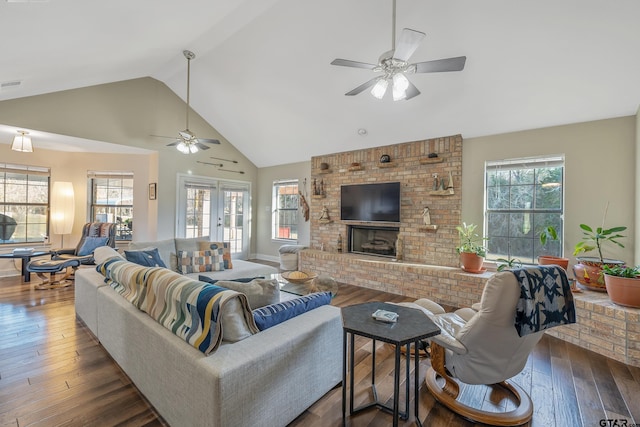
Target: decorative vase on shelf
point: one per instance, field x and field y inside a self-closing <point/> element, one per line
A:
<point x="588" y="272"/>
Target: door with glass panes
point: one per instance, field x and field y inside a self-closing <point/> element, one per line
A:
<point x="216" y="208"/>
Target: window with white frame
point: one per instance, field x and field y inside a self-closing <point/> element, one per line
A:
<point x="24" y="203"/>
<point x="285" y="210"/>
<point x="523" y="197"/>
<point x="111" y="200"/>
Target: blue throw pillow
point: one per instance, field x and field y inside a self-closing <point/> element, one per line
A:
<point x="146" y="257"/>
<point x="90" y="244"/>
<point x="271" y="315"/>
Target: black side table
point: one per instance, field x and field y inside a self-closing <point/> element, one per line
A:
<point x="25" y="257"/>
<point x="412" y="326"/>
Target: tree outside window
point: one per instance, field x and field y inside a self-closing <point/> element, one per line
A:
<point x="24" y="203"/>
<point x="523" y="197"/>
<point x="112" y="201"/>
<point x="285" y="210"/>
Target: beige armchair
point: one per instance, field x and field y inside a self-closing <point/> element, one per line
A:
<point x="491" y="343"/>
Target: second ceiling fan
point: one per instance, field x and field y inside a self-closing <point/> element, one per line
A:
<point x="393" y="66"/>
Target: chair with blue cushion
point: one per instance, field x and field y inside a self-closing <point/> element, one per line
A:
<point x="94" y="235"/>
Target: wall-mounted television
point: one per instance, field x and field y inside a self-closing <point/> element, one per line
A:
<point x="370" y="202"/>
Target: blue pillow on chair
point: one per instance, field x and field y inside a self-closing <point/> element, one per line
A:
<point x="146" y="257"/>
<point x="90" y="244"/>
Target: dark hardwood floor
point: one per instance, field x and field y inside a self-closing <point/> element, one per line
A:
<point x="54" y="373"/>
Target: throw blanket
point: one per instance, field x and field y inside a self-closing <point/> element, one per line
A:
<point x="545" y="299"/>
<point x="190" y="309"/>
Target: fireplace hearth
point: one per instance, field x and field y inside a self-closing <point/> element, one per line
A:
<point x="370" y="240"/>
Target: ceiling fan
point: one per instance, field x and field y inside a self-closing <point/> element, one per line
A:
<point x="394" y="66"/>
<point x="187" y="142"/>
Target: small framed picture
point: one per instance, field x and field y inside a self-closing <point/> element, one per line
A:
<point x="152" y="191"/>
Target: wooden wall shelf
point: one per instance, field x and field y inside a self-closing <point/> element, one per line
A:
<point x="430" y="160"/>
<point x="428" y="228"/>
<point x="387" y="165"/>
<point x="447" y="192"/>
<point x="318" y="196"/>
<point x="356" y="168"/>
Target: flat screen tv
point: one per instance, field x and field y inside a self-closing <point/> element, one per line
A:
<point x="370" y="202"/>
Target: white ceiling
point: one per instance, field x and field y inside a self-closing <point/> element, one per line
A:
<point x="262" y="76"/>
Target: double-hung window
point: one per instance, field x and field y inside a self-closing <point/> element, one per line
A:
<point x="111" y="200"/>
<point x="285" y="210"/>
<point x="523" y="197"/>
<point x="24" y="203"/>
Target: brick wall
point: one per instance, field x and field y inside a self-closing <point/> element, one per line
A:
<point x="409" y="167"/>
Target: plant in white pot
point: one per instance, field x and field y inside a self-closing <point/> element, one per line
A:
<point x="588" y="270"/>
<point x="471" y="250"/>
<point x="549" y="234"/>
<point x="623" y="284"/>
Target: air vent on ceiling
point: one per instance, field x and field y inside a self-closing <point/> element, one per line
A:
<point x="11" y="84"/>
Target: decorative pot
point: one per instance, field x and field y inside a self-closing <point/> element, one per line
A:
<point x="471" y="262"/>
<point x="553" y="260"/>
<point x="623" y="290"/>
<point x="589" y="274"/>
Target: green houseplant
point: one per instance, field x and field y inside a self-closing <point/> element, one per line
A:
<point x="588" y="271"/>
<point x="549" y="234"/>
<point x="471" y="250"/>
<point x="508" y="264"/>
<point x="623" y="284"/>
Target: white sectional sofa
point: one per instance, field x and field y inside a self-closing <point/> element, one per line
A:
<point x="267" y="379"/>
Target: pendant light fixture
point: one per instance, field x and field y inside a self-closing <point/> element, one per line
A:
<point x="22" y="142"/>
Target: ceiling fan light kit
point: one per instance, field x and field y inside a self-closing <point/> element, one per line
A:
<point x="394" y="66"/>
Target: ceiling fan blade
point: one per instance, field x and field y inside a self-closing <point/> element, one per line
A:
<point x="407" y="44"/>
<point x="355" y="64"/>
<point x="362" y="87"/>
<point x="441" y="65"/>
<point x="201" y="146"/>
<point x="209" y="141"/>
<point x="411" y="91"/>
<point x="162" y="136"/>
<point x="174" y="143"/>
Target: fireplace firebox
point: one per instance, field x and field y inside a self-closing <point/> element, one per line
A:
<point x="370" y="240"/>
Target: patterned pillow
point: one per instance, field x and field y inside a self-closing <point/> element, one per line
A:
<point x="205" y="246"/>
<point x="271" y="315"/>
<point x="200" y="261"/>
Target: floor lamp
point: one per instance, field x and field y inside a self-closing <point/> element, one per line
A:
<point x="62" y="209"/>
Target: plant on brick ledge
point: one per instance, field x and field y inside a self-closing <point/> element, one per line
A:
<point x="471" y="250"/>
<point x="623" y="284"/>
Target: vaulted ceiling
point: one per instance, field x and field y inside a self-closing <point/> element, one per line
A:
<point x="262" y="75"/>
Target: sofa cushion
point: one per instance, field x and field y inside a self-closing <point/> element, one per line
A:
<point x="259" y="292"/>
<point x="166" y="249"/>
<point x="90" y="244"/>
<point x="149" y="257"/>
<point x="271" y="315"/>
<point x="200" y="261"/>
<point x="205" y="246"/>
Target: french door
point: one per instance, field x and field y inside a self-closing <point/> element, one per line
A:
<point x="215" y="208"/>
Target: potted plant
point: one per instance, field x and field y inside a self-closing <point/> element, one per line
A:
<point x="471" y="251"/>
<point x="508" y="264"/>
<point x="588" y="270"/>
<point x="549" y="234"/>
<point x="623" y="284"/>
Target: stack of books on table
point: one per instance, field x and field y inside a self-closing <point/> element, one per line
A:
<point x="385" y="316"/>
<point x="23" y="251"/>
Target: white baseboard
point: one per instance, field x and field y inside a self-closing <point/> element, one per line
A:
<point x="265" y="257"/>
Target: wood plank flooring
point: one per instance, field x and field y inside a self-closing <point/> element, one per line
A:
<point x="54" y="373"/>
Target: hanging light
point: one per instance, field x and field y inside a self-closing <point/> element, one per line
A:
<point x="22" y="142"/>
<point x="380" y="88"/>
<point x="183" y="148"/>
<point x="400" y="86"/>
<point x="193" y="148"/>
